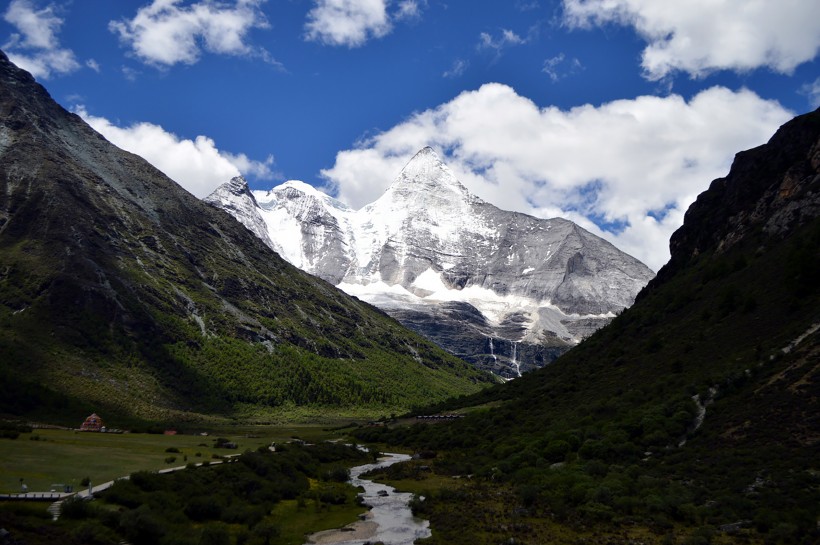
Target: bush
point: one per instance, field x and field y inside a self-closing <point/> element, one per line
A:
<point x="141" y="527"/>
<point x="203" y="508"/>
<point x="332" y="496"/>
<point x="528" y="494"/>
<point x="214" y="534"/>
<point x="701" y="536"/>
<point x="93" y="533"/>
<point x="337" y="474"/>
<point x="265" y="532"/>
<point x="76" y="508"/>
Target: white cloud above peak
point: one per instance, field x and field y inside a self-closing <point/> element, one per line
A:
<point x="165" y="33"/>
<point x="627" y="170"/>
<point x="701" y="36"/>
<point x="197" y="165"/>
<point x="35" y="47"/>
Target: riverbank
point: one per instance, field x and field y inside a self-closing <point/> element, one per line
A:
<point x="390" y="519"/>
<point x="357" y="531"/>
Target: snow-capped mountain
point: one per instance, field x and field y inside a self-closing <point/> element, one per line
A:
<point x="505" y="290"/>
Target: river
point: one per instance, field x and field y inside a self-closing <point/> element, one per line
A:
<point x="389" y="519"/>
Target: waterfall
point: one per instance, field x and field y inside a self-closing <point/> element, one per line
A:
<point x="514" y="359"/>
<point x="492" y="350"/>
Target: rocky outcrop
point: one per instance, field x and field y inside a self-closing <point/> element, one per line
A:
<point x="769" y="191"/>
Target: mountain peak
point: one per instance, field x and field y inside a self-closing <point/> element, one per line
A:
<point x="427" y="172"/>
<point x="236" y="197"/>
<point x="235" y="189"/>
<point x="237" y="185"/>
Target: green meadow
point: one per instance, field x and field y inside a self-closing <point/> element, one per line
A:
<point x="49" y="456"/>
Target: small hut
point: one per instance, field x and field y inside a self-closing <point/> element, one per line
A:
<point x="92" y="423"/>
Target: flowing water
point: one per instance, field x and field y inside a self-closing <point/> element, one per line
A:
<point x="514" y="360"/>
<point x="390" y="519"/>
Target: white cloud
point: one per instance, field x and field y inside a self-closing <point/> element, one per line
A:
<point x="631" y="166"/>
<point x="812" y="92"/>
<point x="36" y="47"/>
<point x="408" y="10"/>
<point x="559" y="67"/>
<point x="347" y="22"/>
<point x="165" y="33"/>
<point x="700" y="36"/>
<point x="458" y="68"/>
<point x="352" y="23"/>
<point x="197" y="165"/>
<point x="507" y="38"/>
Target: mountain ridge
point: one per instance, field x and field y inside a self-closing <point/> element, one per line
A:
<point x="121" y="290"/>
<point x="537" y="285"/>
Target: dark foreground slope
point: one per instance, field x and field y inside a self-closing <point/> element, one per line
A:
<point x="694" y="412"/>
<point x="120" y="291"/>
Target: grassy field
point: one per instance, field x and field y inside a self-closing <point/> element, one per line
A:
<point x="48" y="456"/>
<point x="296" y="522"/>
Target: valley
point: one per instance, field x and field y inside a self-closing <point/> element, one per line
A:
<point x="689" y="418"/>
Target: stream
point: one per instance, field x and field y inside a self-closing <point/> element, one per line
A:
<point x="389" y="520"/>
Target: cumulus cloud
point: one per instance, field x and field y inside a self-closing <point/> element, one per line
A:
<point x="35" y="46"/>
<point x="627" y="170"/>
<point x="698" y="37"/>
<point x="352" y="23"/>
<point x="165" y="33"/>
<point x="347" y="22"/>
<point x="197" y="165"/>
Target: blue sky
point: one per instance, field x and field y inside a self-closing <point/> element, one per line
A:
<point x="612" y="113"/>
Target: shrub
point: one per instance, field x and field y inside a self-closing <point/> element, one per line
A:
<point x="265" y="532"/>
<point x="214" y="534"/>
<point x="203" y="508"/>
<point x="93" y="533"/>
<point x="76" y="507"/>
<point x="338" y="474"/>
<point x="141" y="527"/>
<point x="527" y="494"/>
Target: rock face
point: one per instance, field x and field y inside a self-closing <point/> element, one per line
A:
<point x="771" y="189"/>
<point x="504" y="290"/>
<point x="120" y="288"/>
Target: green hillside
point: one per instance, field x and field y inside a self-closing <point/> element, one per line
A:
<point x="607" y="443"/>
<point x="120" y="292"/>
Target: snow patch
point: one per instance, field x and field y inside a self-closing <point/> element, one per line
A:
<point x="430" y="281"/>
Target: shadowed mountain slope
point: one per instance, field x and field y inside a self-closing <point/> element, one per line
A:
<point x="120" y="290"/>
<point x="695" y="411"/>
